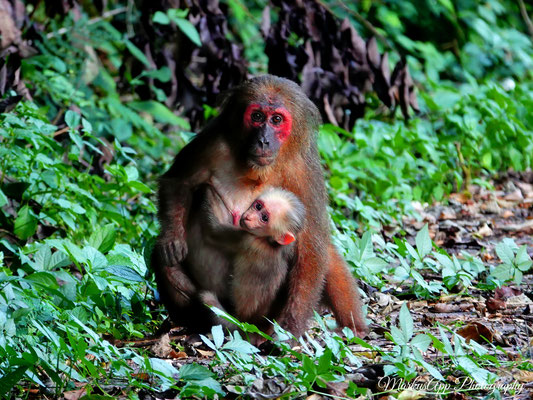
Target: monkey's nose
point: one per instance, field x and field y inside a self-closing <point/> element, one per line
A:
<point x="263" y="142"/>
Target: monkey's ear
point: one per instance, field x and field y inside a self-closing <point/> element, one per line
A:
<point x="285" y="239"/>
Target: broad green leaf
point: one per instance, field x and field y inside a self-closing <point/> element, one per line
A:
<point x="43" y="258"/>
<point x="125" y="272"/>
<point x="25" y="223"/>
<point x="11" y="379"/>
<point x="421" y="342"/>
<point x="406" y="322"/>
<point x="412" y="251"/>
<point x="398" y="336"/>
<point x="164" y="368"/>
<point x="45" y="279"/>
<point x="218" y="335"/>
<point x="375" y="264"/>
<point x="505" y="253"/>
<point x="423" y="242"/>
<point x="72" y="119"/>
<point x="523" y="261"/>
<point x="161" y="18"/>
<point x="190" y="372"/>
<point x="103" y="238"/>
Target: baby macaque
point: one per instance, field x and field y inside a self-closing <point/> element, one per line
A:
<point x="261" y="249"/>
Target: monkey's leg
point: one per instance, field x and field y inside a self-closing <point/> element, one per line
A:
<point x="306" y="283"/>
<point x="211" y="299"/>
<point x="176" y="290"/>
<point x="342" y="294"/>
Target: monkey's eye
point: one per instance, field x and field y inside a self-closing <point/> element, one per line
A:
<point x="276" y="119"/>
<point x="264" y="218"/>
<point x="258" y="206"/>
<point x="257" y="116"/>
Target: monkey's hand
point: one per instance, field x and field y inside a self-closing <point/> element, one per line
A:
<point x="172" y="251"/>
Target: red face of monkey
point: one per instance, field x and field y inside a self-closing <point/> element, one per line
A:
<point x="270" y="125"/>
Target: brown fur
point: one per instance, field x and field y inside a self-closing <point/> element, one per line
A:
<point x="218" y="151"/>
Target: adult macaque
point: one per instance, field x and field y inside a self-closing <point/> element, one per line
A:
<point x="261" y="248"/>
<point x="264" y="136"/>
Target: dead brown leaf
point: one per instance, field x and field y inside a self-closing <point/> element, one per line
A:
<point x="477" y="332"/>
<point x="505" y="292"/>
<point x="523" y="376"/>
<point x="494" y="305"/>
<point x="206" y="353"/>
<point x="74" y="394"/>
<point x="445" y="308"/>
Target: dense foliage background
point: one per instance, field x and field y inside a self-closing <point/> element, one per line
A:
<point x="420" y="99"/>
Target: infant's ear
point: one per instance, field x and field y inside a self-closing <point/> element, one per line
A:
<point x="285" y="239"/>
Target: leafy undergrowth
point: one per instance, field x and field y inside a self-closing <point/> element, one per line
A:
<point x="429" y="213"/>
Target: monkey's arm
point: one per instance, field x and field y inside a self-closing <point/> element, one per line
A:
<point x="191" y="167"/>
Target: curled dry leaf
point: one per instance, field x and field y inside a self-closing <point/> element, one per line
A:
<point x="477" y="332"/>
<point x="505" y="292"/>
<point x="445" y="308"/>
<point x="494" y="305"/>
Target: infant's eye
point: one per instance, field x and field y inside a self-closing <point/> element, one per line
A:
<point x="258" y="116"/>
<point x="258" y="206"/>
<point x="264" y="218"/>
<point x="276" y="119"/>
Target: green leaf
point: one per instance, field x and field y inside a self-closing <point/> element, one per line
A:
<point x="406" y="322"/>
<point x="138" y="54"/>
<point x="421" y="342"/>
<point x="26" y="223"/>
<point x="523" y="261"/>
<point x="505" y="253"/>
<point x="160" y="112"/>
<point x="3" y="199"/>
<point x="161" y="18"/>
<point x="140" y="186"/>
<point x="218" y="335"/>
<point x="412" y="251"/>
<point x="423" y="242"/>
<point x="398" y="336"/>
<point x="43" y="258"/>
<point x="188" y="29"/>
<point x="11" y="379"/>
<point x="46" y="279"/>
<point x="375" y="264"/>
<point x="72" y="119"/>
<point x="164" y="368"/>
<point x="125" y="272"/>
<point x="194" y="372"/>
<point x="103" y="238"/>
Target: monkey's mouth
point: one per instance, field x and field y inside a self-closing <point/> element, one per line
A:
<point x="261" y="161"/>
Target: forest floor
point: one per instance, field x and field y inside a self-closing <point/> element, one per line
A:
<point x="471" y="222"/>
